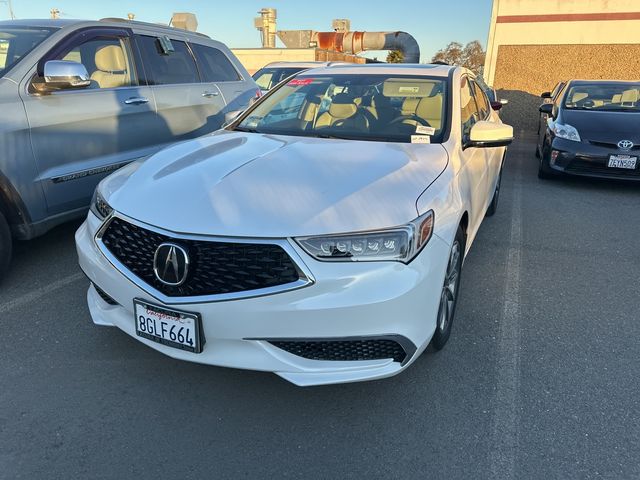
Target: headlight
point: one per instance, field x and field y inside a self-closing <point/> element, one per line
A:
<point x="99" y="206"/>
<point x="400" y="244"/>
<point x="566" y="131"/>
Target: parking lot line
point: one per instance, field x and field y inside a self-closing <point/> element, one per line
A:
<point x="40" y="292"/>
<point x="506" y="421"/>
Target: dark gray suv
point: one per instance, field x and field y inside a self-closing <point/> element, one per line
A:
<point x="80" y="99"/>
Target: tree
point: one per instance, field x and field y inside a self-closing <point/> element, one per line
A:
<point x="395" y="56"/>
<point x="470" y="56"/>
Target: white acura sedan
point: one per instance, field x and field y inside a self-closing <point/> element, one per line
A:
<point x="320" y="235"/>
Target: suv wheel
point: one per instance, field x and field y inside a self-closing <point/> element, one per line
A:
<point x="5" y="246"/>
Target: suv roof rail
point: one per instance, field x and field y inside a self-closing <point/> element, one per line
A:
<point x="149" y="24"/>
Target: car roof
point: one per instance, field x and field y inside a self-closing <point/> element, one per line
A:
<point x="112" y="22"/>
<point x="385" y="69"/>
<point x="591" y="82"/>
<point x="303" y="64"/>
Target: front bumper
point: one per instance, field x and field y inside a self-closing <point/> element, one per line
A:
<point x="586" y="159"/>
<point x="347" y="300"/>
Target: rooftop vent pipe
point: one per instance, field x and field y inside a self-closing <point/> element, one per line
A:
<point x="353" y="42"/>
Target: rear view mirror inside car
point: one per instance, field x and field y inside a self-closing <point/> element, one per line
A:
<point x="166" y="47"/>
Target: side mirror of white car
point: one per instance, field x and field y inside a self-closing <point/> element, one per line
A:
<point x="489" y="134"/>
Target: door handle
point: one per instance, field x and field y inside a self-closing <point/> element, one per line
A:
<point x="136" y="100"/>
<point x="210" y="94"/>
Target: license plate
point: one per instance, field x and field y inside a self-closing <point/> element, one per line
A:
<point x="169" y="327"/>
<point x="622" y="161"/>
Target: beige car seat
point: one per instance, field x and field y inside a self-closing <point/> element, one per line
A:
<point x="430" y="109"/>
<point x="344" y="112"/>
<point x="409" y="106"/>
<point x="630" y="98"/>
<point x="111" y="67"/>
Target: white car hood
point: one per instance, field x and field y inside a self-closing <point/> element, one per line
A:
<point x="258" y="185"/>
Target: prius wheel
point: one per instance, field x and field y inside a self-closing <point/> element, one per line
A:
<point x="544" y="171"/>
<point x="449" y="294"/>
<point x="493" y="206"/>
<point x="5" y="246"/>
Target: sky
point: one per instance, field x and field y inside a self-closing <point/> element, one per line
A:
<point x="433" y="23"/>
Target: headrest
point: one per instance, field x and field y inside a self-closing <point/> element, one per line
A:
<point x="617" y="98"/>
<point x="342" y="106"/>
<point x="630" y="96"/>
<point x="430" y="107"/>
<point x="578" y="96"/>
<point x="110" y="59"/>
<point x="410" y="104"/>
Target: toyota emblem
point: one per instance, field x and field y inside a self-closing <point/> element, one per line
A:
<point x="171" y="264"/>
<point x="625" y="144"/>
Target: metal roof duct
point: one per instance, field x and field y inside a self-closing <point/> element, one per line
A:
<point x="354" y="42"/>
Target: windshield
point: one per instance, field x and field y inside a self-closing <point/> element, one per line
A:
<point x="387" y="108"/>
<point x="267" y="78"/>
<point x="16" y="42"/>
<point x="617" y="97"/>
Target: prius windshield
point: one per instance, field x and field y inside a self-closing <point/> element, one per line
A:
<point x="603" y="96"/>
<point x="16" y="42"/>
<point x="389" y="108"/>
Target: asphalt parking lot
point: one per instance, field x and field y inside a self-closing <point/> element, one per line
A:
<point x="539" y="379"/>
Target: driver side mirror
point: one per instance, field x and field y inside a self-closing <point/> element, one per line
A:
<point x="64" y="74"/>
<point x="545" y="95"/>
<point x="546" y="108"/>
<point x="489" y="134"/>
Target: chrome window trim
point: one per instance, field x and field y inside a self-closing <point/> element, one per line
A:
<point x="306" y="277"/>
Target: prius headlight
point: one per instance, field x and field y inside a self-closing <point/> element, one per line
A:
<point x="563" y="130"/>
<point x="399" y="244"/>
<point x="99" y="206"/>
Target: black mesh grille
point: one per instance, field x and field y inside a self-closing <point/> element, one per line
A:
<point x="215" y="267"/>
<point x="346" y="350"/>
<point x="600" y="168"/>
<point x="104" y="296"/>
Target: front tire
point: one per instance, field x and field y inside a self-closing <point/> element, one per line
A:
<point x="544" y="170"/>
<point x="5" y="246"/>
<point x="449" y="294"/>
<point x="493" y="206"/>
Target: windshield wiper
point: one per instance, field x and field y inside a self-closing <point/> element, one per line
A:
<point x="366" y="138"/>
<point x="245" y="129"/>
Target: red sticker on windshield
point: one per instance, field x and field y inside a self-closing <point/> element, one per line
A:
<point x="300" y="81"/>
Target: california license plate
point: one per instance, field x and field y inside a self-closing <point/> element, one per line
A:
<point x="169" y="327"/>
<point x="622" y="161"/>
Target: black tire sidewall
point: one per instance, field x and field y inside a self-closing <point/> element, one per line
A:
<point x="440" y="338"/>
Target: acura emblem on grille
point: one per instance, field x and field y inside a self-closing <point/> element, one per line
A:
<point x="171" y="264"/>
<point x="625" y="144"/>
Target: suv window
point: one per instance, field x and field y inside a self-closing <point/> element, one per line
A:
<point x="107" y="60"/>
<point x="167" y="69"/>
<point x="481" y="100"/>
<point x="214" y="65"/>
<point x="469" y="111"/>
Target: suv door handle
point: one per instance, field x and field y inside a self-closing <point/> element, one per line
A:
<point x="210" y="94"/>
<point x="136" y="100"/>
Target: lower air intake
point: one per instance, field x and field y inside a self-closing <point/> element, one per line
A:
<point x="344" y="350"/>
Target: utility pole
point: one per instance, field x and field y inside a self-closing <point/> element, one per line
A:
<point x="55" y="13"/>
<point x="8" y="3"/>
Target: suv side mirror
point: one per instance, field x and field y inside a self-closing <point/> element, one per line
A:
<point x="63" y="74"/>
<point x="489" y="134"/>
<point x="545" y="95"/>
<point x="546" y="108"/>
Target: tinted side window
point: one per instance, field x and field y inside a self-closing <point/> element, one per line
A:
<point x="167" y="69"/>
<point x="469" y="111"/>
<point x="214" y="65"/>
<point x="481" y="100"/>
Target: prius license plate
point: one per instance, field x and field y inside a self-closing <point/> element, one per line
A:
<point x="169" y="327"/>
<point x="623" y="161"/>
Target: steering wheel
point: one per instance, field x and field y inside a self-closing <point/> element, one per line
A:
<point x="403" y="118"/>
